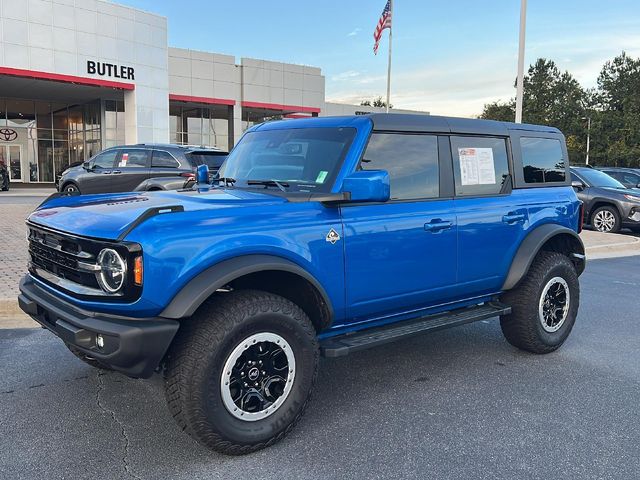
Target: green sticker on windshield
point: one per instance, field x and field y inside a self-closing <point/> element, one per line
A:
<point x="321" y="176"/>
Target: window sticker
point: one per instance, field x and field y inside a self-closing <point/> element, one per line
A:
<point x="322" y="176"/>
<point x="477" y="166"/>
<point x="124" y="160"/>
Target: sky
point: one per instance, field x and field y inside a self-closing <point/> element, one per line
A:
<point x="449" y="57"/>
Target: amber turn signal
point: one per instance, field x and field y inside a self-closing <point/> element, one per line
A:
<point x="137" y="270"/>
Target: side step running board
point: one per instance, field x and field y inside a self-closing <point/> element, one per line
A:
<point x="353" y="341"/>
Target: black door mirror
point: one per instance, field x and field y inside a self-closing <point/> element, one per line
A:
<point x="578" y="185"/>
<point x="86" y="165"/>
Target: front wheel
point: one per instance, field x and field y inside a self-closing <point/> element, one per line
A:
<point x="240" y="372"/>
<point x="544" y="305"/>
<point x="71" y="188"/>
<point x="606" y="219"/>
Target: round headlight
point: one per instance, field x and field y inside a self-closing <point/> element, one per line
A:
<point x="113" y="270"/>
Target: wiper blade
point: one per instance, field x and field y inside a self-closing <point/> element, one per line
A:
<point x="270" y="183"/>
<point x="226" y="180"/>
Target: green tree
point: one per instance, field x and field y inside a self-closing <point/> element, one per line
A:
<point x="503" y="111"/>
<point x="551" y="97"/>
<point x="376" y="102"/>
<point x="616" y="129"/>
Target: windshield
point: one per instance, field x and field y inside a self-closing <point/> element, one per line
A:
<point x="299" y="159"/>
<point x="596" y="178"/>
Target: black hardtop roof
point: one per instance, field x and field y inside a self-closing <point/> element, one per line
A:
<point x="432" y="123"/>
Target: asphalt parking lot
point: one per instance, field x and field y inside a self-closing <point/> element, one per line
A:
<point x="455" y="404"/>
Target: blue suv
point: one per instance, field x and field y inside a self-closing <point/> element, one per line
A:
<point x="320" y="236"/>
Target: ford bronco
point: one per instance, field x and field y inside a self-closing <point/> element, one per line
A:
<point x="319" y="237"/>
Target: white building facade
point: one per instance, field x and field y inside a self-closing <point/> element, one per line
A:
<point x="78" y="76"/>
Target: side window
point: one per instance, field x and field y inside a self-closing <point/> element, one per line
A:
<point x="480" y="165"/>
<point x="164" y="160"/>
<point x="105" y="159"/>
<point x="136" y="157"/>
<point x="411" y="160"/>
<point x="542" y="160"/>
<point x="631" y="178"/>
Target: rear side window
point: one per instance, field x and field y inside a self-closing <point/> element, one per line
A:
<point x="133" y="158"/>
<point x="411" y="160"/>
<point x="480" y="165"/>
<point x="542" y="160"/>
<point x="105" y="159"/>
<point x="211" y="160"/>
<point x="162" y="159"/>
<point x="630" y="178"/>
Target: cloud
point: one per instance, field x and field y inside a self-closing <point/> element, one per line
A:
<point x="462" y="84"/>
<point x="342" y="76"/>
<point x="354" y="32"/>
<point x="447" y="87"/>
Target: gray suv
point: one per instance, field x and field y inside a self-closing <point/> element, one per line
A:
<point x="124" y="168"/>
<point x="608" y="204"/>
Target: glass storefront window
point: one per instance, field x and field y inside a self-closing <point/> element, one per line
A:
<point x="208" y="126"/>
<point x="49" y="136"/>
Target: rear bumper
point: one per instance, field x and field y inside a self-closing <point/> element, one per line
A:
<point x="132" y="346"/>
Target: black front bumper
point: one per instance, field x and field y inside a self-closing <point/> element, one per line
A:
<point x="132" y="346"/>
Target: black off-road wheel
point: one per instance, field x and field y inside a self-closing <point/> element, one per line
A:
<point x="606" y="219"/>
<point x="240" y="372"/>
<point x="544" y="305"/>
<point x="88" y="359"/>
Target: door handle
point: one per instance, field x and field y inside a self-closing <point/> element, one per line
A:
<point x="115" y="172"/>
<point x="511" y="218"/>
<point x="436" y="226"/>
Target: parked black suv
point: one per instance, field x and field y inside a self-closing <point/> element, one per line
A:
<point x="608" y="204"/>
<point x="629" y="177"/>
<point x="124" y="168"/>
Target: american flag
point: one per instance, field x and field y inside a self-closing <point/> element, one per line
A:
<point x="384" y="22"/>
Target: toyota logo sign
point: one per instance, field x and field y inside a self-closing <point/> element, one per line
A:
<point x="8" y="134"/>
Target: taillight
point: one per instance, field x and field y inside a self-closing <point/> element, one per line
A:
<point x="188" y="175"/>
<point x="581" y="219"/>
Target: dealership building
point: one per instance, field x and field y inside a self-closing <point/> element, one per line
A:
<point x="78" y="76"/>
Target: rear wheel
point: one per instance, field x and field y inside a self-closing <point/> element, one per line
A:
<point x="240" y="372"/>
<point x="606" y="219"/>
<point x="544" y="305"/>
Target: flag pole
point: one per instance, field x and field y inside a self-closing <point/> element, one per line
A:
<point x="520" y="77"/>
<point x="389" y="60"/>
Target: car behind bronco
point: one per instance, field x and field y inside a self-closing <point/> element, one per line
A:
<point x="321" y="236"/>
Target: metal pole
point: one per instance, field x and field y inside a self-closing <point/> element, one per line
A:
<point x="389" y="61"/>
<point x="588" y="138"/>
<point x="520" y="80"/>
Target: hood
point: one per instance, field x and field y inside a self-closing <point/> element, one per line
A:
<point x="109" y="216"/>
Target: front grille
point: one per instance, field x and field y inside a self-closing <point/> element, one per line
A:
<point x="68" y="263"/>
<point x="63" y="258"/>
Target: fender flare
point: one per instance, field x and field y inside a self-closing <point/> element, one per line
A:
<point x="532" y="244"/>
<point x="202" y="286"/>
<point x="604" y="202"/>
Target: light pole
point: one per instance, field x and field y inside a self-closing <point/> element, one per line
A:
<point x="588" y="119"/>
